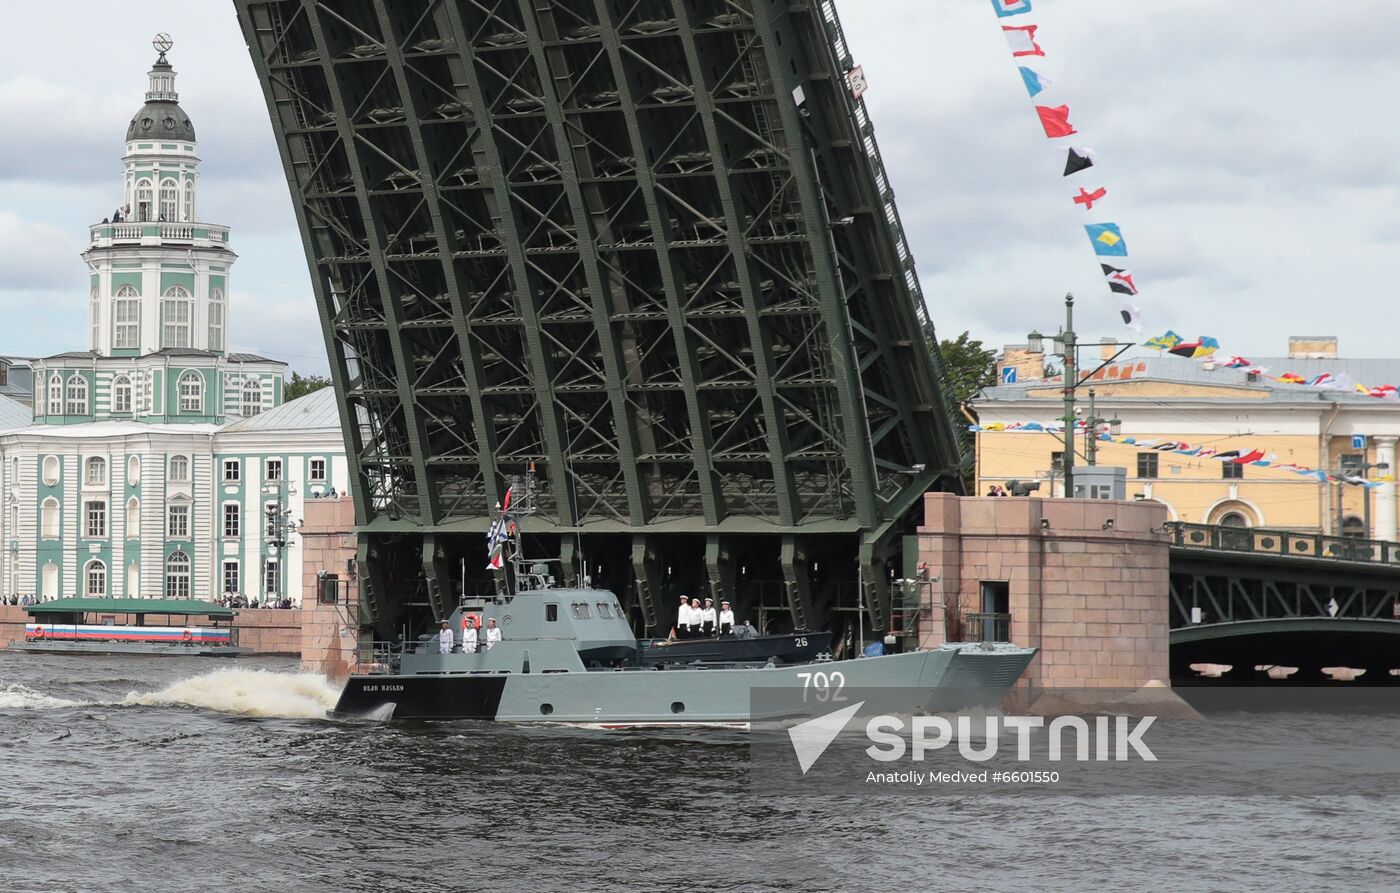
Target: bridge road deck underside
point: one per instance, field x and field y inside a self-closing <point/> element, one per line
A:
<point x="648" y="248"/>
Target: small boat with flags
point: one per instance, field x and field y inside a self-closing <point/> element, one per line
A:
<point x="540" y="653"/>
<point x="181" y="627"/>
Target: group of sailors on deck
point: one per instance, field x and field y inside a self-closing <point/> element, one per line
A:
<point x="471" y="643"/>
<point x="695" y="622"/>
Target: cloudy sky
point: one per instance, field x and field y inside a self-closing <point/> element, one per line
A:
<point x="1249" y="151"/>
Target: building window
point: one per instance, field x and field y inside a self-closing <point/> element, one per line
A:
<point x="231" y="474"/>
<point x="1353" y="464"/>
<point x="1233" y="519"/>
<point x="95" y="321"/>
<point x="231" y="519"/>
<point x="216" y="319"/>
<point x="274" y="469"/>
<point x="177" y="522"/>
<point x="191" y="392"/>
<point x="318" y="470"/>
<point x="121" y="394"/>
<point x="189" y="202"/>
<point x="75" y="395"/>
<point x="96" y="574"/>
<point x="55" y="394"/>
<point x="1147" y="465"/>
<point x="48" y="519"/>
<point x="1353" y="527"/>
<point x="96" y="513"/>
<point x="252" y="397"/>
<point x="169" y="201"/>
<point x="271" y="579"/>
<point x="1057" y="461"/>
<point x="175" y="318"/>
<point x="143" y="200"/>
<point x="1231" y="471"/>
<point x="179" y="469"/>
<point x="133" y="518"/>
<point x="96" y="472"/>
<point x="271" y="516"/>
<point x="126" y="319"/>
<point x="177" y="575"/>
<point x="231" y="577"/>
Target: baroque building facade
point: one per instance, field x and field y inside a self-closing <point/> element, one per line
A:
<point x="157" y="463"/>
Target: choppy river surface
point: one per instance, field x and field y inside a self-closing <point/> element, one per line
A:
<point x="153" y="774"/>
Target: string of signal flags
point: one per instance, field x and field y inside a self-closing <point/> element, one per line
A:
<point x="1087" y="193"/>
<point x="1106" y="237"/>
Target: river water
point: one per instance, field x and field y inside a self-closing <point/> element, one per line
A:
<point x="154" y="774"/>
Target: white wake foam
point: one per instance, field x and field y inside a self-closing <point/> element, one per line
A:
<point x="247" y="693"/>
<point x="16" y="696"/>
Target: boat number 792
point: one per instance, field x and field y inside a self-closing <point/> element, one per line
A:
<point x="826" y="687"/>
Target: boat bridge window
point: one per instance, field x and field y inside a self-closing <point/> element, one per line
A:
<point x="581" y="611"/>
<point x="551" y="612"/>
<point x="603" y="611"/>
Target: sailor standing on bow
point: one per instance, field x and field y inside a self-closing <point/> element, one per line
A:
<point x="468" y="636"/>
<point x="696" y="618"/>
<point x="683" y="619"/>
<point x="493" y="634"/>
<point x="445" y="639"/>
<point x="726" y="618"/>
<point x="707" y="617"/>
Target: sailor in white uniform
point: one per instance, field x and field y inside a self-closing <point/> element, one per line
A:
<point x="707" y="617"/>
<point x="696" y="618"/>
<point x="445" y="639"/>
<point x="493" y="634"/>
<point x="726" y="618"/>
<point x="683" y="619"/>
<point x="468" y="636"/>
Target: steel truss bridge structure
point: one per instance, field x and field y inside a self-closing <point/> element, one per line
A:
<point x="1252" y="597"/>
<point x="648" y="246"/>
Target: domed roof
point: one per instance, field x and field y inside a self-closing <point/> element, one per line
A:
<point x="160" y="120"/>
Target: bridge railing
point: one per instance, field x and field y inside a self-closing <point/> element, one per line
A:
<point x="1283" y="543"/>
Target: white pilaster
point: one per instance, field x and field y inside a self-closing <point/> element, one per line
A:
<point x="1383" y="522"/>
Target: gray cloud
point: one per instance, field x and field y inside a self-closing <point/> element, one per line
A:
<point x="1248" y="151"/>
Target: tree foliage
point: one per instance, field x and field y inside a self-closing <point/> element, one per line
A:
<point x="300" y="385"/>
<point x="970" y="366"/>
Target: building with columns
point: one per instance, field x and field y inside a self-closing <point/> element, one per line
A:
<point x="1163" y="397"/>
<point x="157" y="462"/>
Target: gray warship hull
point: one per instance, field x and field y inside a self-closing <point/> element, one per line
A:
<point x="462" y="686"/>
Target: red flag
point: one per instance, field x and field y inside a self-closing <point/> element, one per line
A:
<point x="1055" y="121"/>
<point x="1087" y="198"/>
<point x="1251" y="456"/>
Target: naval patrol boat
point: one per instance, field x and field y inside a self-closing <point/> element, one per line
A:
<point x="568" y="655"/>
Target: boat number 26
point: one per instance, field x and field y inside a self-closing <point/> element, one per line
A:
<point x="823" y="686"/>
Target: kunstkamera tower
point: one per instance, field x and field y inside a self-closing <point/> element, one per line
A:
<point x="648" y="246"/>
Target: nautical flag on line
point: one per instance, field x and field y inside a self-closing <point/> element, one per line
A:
<point x="1119" y="280"/>
<point x="1079" y="159"/>
<point x="1087" y="198"/>
<point x="1131" y="315"/>
<point x="1163" y="342"/>
<point x="1022" y="40"/>
<point x="1035" y="82"/>
<point x="1107" y="239"/>
<point x="1006" y="8"/>
<point x="1055" y="121"/>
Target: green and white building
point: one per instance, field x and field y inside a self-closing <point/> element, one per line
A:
<point x="158" y="463"/>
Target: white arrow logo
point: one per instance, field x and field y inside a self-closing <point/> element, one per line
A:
<point x="810" y="739"/>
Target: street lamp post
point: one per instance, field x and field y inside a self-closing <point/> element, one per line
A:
<point x="1066" y="347"/>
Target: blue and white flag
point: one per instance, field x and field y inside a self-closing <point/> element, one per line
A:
<point x="1006" y="8"/>
<point x="1035" y="83"/>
